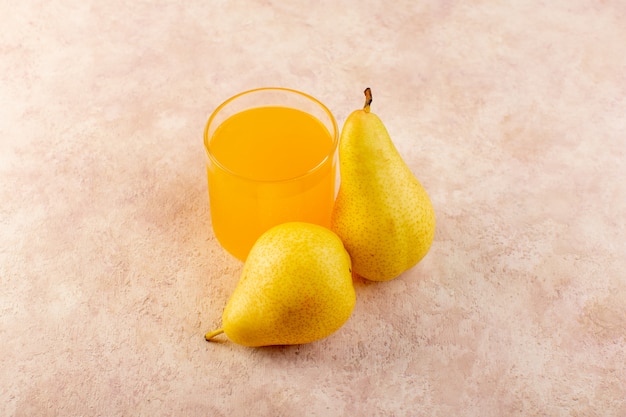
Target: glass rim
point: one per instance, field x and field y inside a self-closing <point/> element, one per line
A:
<point x="334" y="134"/>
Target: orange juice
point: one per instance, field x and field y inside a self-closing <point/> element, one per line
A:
<point x="268" y="165"/>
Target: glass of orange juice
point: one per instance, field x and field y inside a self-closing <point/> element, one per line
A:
<point x="271" y="158"/>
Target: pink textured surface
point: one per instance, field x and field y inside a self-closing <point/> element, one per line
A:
<point x="512" y="114"/>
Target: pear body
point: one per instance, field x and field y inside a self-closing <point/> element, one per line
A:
<point x="296" y="287"/>
<point x="382" y="213"/>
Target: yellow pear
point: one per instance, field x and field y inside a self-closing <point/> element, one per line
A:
<point x="296" y="287"/>
<point x="382" y="213"/>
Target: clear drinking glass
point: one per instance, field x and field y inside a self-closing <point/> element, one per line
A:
<point x="271" y="159"/>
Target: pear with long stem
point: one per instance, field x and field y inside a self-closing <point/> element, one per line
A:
<point x="382" y="213"/>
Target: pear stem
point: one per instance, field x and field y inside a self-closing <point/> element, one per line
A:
<point x="211" y="335"/>
<point x="368" y="100"/>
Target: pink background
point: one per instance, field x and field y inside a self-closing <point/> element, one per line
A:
<point x="511" y="114"/>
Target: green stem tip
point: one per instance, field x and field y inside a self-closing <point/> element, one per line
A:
<point x="211" y="335"/>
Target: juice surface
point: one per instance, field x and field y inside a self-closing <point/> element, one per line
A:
<point x="264" y="154"/>
<point x="271" y="143"/>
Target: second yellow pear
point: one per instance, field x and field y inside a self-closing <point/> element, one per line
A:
<point x="382" y="213"/>
<point x="295" y="287"/>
